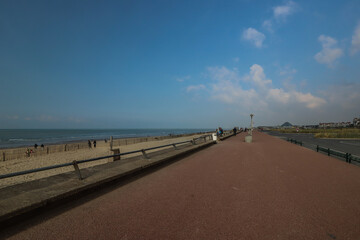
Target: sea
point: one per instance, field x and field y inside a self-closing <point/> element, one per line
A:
<point x="11" y="138"/>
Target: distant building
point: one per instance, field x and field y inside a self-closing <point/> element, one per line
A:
<point x="356" y="122"/>
<point x="334" y="125"/>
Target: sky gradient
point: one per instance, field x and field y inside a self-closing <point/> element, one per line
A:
<point x="178" y="64"/>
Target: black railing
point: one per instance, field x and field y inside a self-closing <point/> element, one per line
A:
<point x="347" y="156"/>
<point x="76" y="167"/>
<point x="294" y="141"/>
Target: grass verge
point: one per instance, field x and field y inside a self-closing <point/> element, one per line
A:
<point x="327" y="133"/>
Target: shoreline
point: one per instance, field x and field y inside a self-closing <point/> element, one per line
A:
<point x="9" y="154"/>
<point x="59" y="157"/>
<point x="83" y="139"/>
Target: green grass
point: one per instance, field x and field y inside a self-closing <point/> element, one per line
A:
<point x="327" y="133"/>
<point x="293" y="130"/>
<point x="339" y="133"/>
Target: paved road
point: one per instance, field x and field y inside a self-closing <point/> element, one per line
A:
<point x="270" y="189"/>
<point x="343" y="145"/>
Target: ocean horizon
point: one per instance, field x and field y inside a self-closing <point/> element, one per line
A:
<point x="12" y="138"/>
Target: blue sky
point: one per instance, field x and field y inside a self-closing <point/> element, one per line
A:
<point x="178" y="64"/>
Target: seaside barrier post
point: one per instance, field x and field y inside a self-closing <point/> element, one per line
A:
<point x="116" y="152"/>
<point x="144" y="154"/>
<point x="77" y="170"/>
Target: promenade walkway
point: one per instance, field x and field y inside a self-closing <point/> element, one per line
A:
<point x="269" y="189"/>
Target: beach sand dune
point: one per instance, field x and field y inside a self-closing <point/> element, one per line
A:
<point x="102" y="149"/>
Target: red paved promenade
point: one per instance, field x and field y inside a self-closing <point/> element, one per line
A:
<point x="270" y="189"/>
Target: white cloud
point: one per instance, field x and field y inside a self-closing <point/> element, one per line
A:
<point x="280" y="15"/>
<point x="355" y="42"/>
<point x="224" y="74"/>
<point x="195" y="87"/>
<point x="268" y="25"/>
<point x="310" y="100"/>
<point x="257" y="76"/>
<point x="238" y="96"/>
<point x="254" y="36"/>
<point x="278" y="95"/>
<point x="326" y="41"/>
<point x="281" y="12"/>
<point x="228" y="89"/>
<point x="230" y="93"/>
<point x="330" y="51"/>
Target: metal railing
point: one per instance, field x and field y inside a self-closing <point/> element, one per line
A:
<point x="76" y="167"/>
<point x="349" y="158"/>
<point x="228" y="133"/>
<point x="294" y="141"/>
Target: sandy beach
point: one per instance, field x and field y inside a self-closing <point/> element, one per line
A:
<point x="102" y="149"/>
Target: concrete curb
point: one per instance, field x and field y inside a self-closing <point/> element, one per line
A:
<point x="34" y="196"/>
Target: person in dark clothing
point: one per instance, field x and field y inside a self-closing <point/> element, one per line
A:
<point x="35" y="146"/>
<point x="89" y="144"/>
<point x="234" y="130"/>
<point x="94" y="143"/>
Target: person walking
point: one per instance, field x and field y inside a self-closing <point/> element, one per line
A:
<point x="89" y="143"/>
<point x="94" y="143"/>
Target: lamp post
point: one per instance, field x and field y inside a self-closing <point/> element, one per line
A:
<point x="251" y="126"/>
<point x="248" y="138"/>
